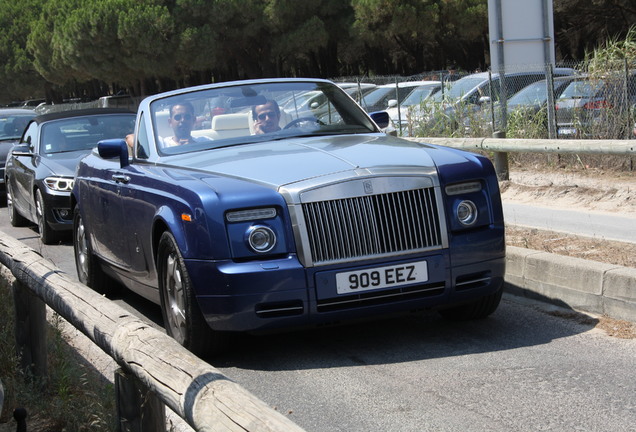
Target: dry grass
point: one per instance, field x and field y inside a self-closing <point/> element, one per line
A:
<point x="610" y="252"/>
<point x="75" y="398"/>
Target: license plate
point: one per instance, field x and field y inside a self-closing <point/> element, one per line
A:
<point x="567" y="131"/>
<point x="381" y="277"/>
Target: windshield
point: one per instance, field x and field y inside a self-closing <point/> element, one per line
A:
<point x="419" y="94"/>
<point x="12" y="125"/>
<point x="249" y="113"/>
<point x="373" y="97"/>
<point x="582" y="89"/>
<point x="83" y="133"/>
<point x="534" y="94"/>
<point x="458" y="89"/>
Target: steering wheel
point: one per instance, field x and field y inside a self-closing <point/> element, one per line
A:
<point x="299" y="120"/>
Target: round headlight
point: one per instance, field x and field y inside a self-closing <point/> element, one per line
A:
<point x="261" y="238"/>
<point x="467" y="213"/>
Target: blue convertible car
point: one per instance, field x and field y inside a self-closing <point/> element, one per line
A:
<point x="239" y="208"/>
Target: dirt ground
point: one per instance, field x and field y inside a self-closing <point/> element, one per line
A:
<point x="607" y="187"/>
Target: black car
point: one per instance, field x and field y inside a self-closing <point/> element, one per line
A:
<point x="12" y="124"/>
<point x="597" y="106"/>
<point x="40" y="169"/>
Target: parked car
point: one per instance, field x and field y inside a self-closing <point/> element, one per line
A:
<point x="12" y="124"/>
<point x="529" y="101"/>
<point x="356" y="90"/>
<point x="401" y="115"/>
<point x="316" y="222"/>
<point x="466" y="96"/>
<point x="596" y="106"/>
<point x="40" y="168"/>
<point x="32" y="103"/>
<point x="378" y="98"/>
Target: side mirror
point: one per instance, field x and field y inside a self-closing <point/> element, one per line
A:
<point x="381" y="118"/>
<point x="114" y="148"/>
<point x="392" y="103"/>
<point x="21" y="150"/>
<point x="483" y="100"/>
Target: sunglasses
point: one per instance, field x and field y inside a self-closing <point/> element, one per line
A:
<point x="264" y="115"/>
<point x="185" y="117"/>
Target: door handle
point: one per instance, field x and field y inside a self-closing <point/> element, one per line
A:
<point x="121" y="178"/>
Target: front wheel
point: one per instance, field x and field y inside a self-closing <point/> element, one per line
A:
<point x="47" y="235"/>
<point x="182" y="317"/>
<point x="89" y="271"/>
<point x="15" y="218"/>
<point x="477" y="309"/>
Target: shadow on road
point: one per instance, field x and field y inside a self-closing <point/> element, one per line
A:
<point x="423" y="335"/>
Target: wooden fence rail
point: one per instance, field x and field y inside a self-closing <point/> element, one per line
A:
<point x="581" y="146"/>
<point x="502" y="146"/>
<point x="152" y="364"/>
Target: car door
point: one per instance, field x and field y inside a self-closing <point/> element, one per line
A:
<point x="21" y="171"/>
<point x="104" y="216"/>
<point x="137" y="198"/>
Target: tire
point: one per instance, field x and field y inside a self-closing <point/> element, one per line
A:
<point x="89" y="272"/>
<point x="182" y="317"/>
<point x="47" y="235"/>
<point x="15" y="218"/>
<point x="477" y="309"/>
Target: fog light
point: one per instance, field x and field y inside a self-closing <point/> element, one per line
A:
<point x="467" y="213"/>
<point x="261" y="238"/>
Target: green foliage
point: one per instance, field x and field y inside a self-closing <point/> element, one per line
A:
<point x="523" y="123"/>
<point x="17" y="72"/>
<point x="75" y="45"/>
<point x="614" y="52"/>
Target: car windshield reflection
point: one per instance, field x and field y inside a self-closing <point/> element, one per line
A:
<point x="242" y="114"/>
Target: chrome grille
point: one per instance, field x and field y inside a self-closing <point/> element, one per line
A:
<point x="372" y="225"/>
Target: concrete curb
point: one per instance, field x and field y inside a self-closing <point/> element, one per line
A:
<point x="600" y="288"/>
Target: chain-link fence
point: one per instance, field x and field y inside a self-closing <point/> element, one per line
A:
<point x="595" y="99"/>
<point x="583" y="100"/>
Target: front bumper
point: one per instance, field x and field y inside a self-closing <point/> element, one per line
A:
<point x="58" y="211"/>
<point x="283" y="294"/>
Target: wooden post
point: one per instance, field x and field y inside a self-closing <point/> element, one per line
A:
<point x="30" y="331"/>
<point x="501" y="160"/>
<point x="138" y="409"/>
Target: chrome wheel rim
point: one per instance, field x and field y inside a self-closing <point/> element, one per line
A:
<point x="175" y="298"/>
<point x="39" y="210"/>
<point x="10" y="201"/>
<point x="81" y="251"/>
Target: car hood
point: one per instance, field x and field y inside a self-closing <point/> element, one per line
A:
<point x="63" y="164"/>
<point x="284" y="162"/>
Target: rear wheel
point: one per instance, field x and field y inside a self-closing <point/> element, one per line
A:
<point x="89" y="271"/>
<point x="47" y="234"/>
<point x="477" y="309"/>
<point x="16" y="219"/>
<point x="182" y="317"/>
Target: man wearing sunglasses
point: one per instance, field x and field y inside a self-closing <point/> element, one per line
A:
<point x="266" y="117"/>
<point x="181" y="121"/>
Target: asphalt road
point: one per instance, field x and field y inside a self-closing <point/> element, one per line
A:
<point x="591" y="224"/>
<point x="526" y="368"/>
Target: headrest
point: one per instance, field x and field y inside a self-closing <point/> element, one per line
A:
<point x="230" y="121"/>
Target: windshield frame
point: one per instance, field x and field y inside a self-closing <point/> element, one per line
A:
<point x="339" y="114"/>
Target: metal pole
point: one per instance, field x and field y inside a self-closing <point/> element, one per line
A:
<point x="549" y="79"/>
<point x="503" y="102"/>
<point x="397" y="98"/>
<point x="628" y="129"/>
